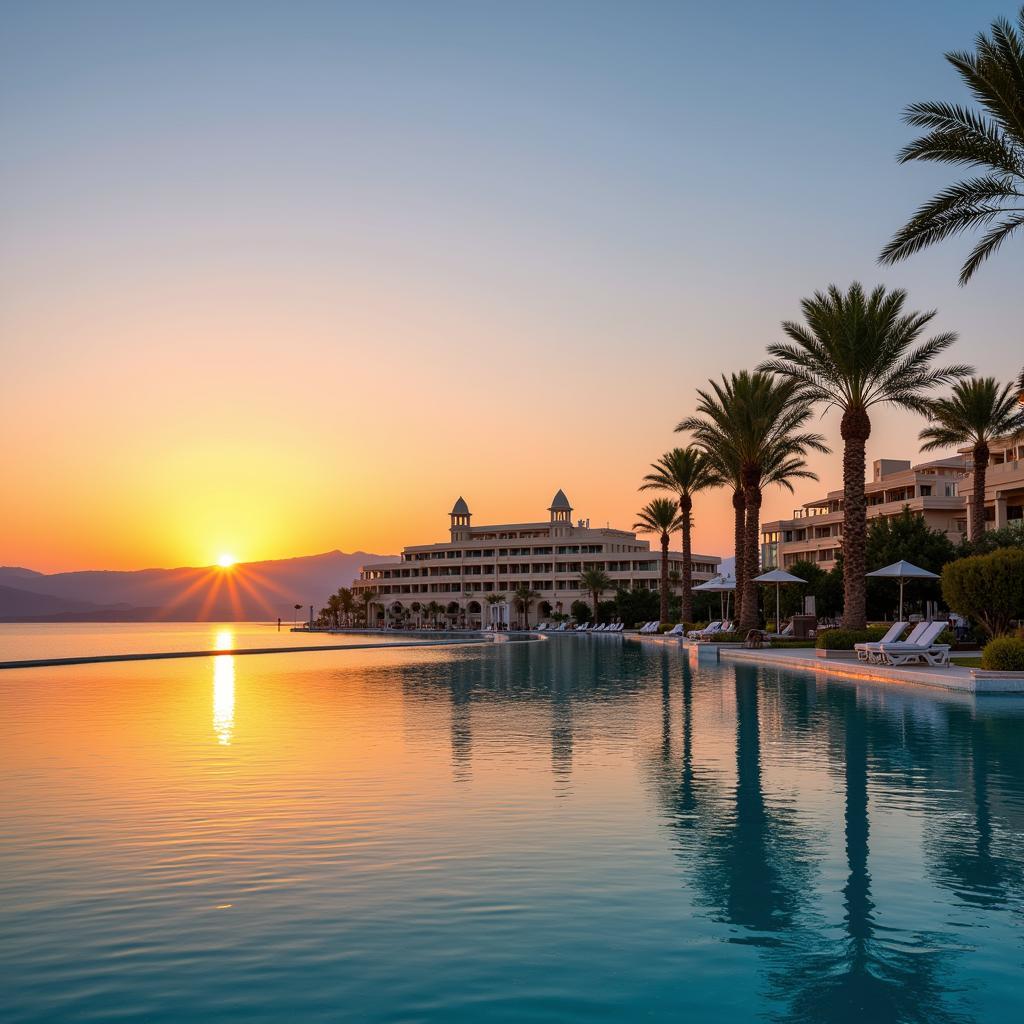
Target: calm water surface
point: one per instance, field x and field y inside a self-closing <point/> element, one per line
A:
<point x="583" y="829"/>
<point x="24" y="641"/>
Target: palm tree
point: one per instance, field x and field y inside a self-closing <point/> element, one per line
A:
<point x="990" y="139"/>
<point x="684" y="472"/>
<point x="595" y="582"/>
<point x="347" y="601"/>
<point x="1020" y="388"/>
<point x="661" y="516"/>
<point x="726" y="462"/>
<point x="433" y="609"/>
<point x="854" y="352"/>
<point x="756" y="420"/>
<point x="978" y="411"/>
<point x="334" y="609"/>
<point x="493" y="599"/>
<point x="367" y="597"/>
<point x="524" y="597"/>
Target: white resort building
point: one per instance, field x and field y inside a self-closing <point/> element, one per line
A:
<point x="474" y="575"/>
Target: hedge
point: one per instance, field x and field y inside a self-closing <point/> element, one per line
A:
<point x="988" y="588"/>
<point x="844" y="639"/>
<point x="1003" y="654"/>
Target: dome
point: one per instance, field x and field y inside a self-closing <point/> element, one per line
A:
<point x="559" y="502"/>
<point x="460" y="508"/>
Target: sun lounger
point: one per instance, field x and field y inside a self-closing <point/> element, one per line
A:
<point x="618" y="627"/>
<point x="599" y="629"/>
<point x="651" y="627"/>
<point x="676" y="630"/>
<point x="541" y="627"/>
<point x="561" y="629"/>
<point x="711" y="627"/>
<point x="923" y="649"/>
<point x="894" y="633"/>
<point x="583" y="627"/>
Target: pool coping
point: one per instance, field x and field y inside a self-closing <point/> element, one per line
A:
<point x="97" y="659"/>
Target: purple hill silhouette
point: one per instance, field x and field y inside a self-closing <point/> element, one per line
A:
<point x="255" y="591"/>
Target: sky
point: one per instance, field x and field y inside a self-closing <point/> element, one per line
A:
<point x="279" y="278"/>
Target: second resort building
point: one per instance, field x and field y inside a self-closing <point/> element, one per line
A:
<point x="473" y="575"/>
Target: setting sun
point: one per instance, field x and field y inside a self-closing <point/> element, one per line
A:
<point x="225" y="561"/>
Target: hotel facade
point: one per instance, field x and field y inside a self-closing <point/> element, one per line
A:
<point x="1004" y="485"/>
<point x="481" y="562"/>
<point x="814" y="533"/>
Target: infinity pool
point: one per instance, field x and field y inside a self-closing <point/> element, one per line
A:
<point x="581" y="829"/>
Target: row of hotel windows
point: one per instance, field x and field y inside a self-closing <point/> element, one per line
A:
<point x="524" y="568"/>
<point x="561" y="549"/>
<point x="517" y="569"/>
<point x="557" y="586"/>
<point x="883" y="497"/>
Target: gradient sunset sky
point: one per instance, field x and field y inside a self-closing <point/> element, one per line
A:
<point x="278" y="278"/>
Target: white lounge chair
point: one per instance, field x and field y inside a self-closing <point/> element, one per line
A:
<point x="583" y="627"/>
<point x="874" y="649"/>
<point x="561" y="628"/>
<point x="599" y="629"/>
<point x="541" y="626"/>
<point x="618" y="627"/>
<point x="894" y="632"/>
<point x="923" y="649"/>
<point x="651" y="627"/>
<point x="676" y="630"/>
<point x="711" y="627"/>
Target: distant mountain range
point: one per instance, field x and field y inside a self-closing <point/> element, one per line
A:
<point x="254" y="591"/>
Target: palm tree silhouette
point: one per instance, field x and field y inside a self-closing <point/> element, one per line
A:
<point x="855" y="351"/>
<point x="660" y="516"/>
<point x="978" y="412"/>
<point x="990" y="139"/>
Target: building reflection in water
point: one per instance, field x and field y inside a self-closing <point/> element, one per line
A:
<point x="224" y="689"/>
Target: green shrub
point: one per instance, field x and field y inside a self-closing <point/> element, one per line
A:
<point x="988" y="588"/>
<point x="783" y="644"/>
<point x="665" y="627"/>
<point x="1003" y="654"/>
<point x="725" y="638"/>
<point x="844" y="639"/>
<point x="580" y="611"/>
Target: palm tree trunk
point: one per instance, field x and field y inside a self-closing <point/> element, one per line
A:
<point x="739" y="508"/>
<point x="686" y="608"/>
<point x="664" y="577"/>
<point x="596" y="595"/>
<point x="978" y="509"/>
<point x="752" y="537"/>
<point x="855" y="431"/>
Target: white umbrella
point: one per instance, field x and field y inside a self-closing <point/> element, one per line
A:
<point x="720" y="584"/>
<point x="903" y="571"/>
<point x="778" y="577"/>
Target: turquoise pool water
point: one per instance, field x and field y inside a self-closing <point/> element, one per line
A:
<point x="583" y="829"/>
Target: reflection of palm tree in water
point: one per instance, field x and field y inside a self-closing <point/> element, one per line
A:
<point x="863" y="977"/>
<point x="755" y="870"/>
<point x="966" y="854"/>
<point x="746" y="861"/>
<point x="461" y="721"/>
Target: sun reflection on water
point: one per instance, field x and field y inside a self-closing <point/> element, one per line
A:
<point x="224" y="689"/>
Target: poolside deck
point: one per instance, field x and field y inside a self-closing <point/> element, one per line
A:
<point x="953" y="677"/>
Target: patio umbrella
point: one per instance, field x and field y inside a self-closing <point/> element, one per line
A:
<point x="778" y="577"/>
<point x="720" y="584"/>
<point x="903" y="571"/>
